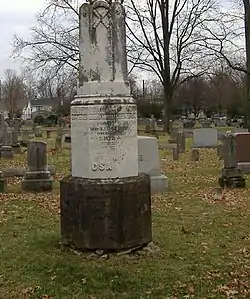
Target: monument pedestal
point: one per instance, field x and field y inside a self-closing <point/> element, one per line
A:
<point x="7" y="152"/>
<point x="232" y="178"/>
<point x="107" y="214"/>
<point x="37" y="181"/>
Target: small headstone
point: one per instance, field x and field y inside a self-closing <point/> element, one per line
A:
<point x="206" y="124"/>
<point x="195" y="155"/>
<point x="147" y="129"/>
<point x="149" y="163"/>
<point x="205" y="138"/>
<point x="38" y="132"/>
<point x="15" y="143"/>
<point x="17" y="125"/>
<point x="181" y="142"/>
<point x="2" y="182"/>
<point x="6" y="150"/>
<point x="173" y="135"/>
<point x="37" y="178"/>
<point x="48" y="134"/>
<point x="219" y="151"/>
<point x="58" y="144"/>
<point x="25" y="135"/>
<point x="175" y="154"/>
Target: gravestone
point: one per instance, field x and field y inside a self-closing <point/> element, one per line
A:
<point x="153" y="125"/>
<point x="6" y="150"/>
<point x="149" y="163"/>
<point x="2" y="182"/>
<point x="219" y="151"/>
<point x="15" y="143"/>
<point x="38" y="132"/>
<point x="195" y="155"/>
<point x="105" y="204"/>
<point x="17" y="125"/>
<point x="231" y="174"/>
<point x="181" y="142"/>
<point x="175" y="153"/>
<point x="58" y="143"/>
<point x="205" y="138"/>
<point x="48" y="134"/>
<point x="37" y="178"/>
<point x="173" y="135"/>
<point x="206" y="123"/>
<point x="243" y="151"/>
<point x="2" y="127"/>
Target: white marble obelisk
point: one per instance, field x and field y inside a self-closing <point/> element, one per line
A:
<point x="103" y="114"/>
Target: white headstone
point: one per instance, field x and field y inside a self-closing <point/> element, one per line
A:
<point x="149" y="161"/>
<point x="205" y="137"/>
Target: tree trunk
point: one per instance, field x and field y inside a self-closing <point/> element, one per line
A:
<point x="247" y="41"/>
<point x="167" y="110"/>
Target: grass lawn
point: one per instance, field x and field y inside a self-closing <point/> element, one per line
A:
<point x="204" y="243"/>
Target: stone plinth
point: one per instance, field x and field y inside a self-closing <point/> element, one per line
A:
<point x="37" y="178"/>
<point x="110" y="214"/>
<point x="104" y="130"/>
<point x="149" y="163"/>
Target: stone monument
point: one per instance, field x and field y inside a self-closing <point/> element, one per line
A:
<point x="231" y="173"/>
<point x="6" y="150"/>
<point x="37" y="178"/>
<point x="105" y="204"/>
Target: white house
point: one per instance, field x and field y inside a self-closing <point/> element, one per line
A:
<point x="37" y="106"/>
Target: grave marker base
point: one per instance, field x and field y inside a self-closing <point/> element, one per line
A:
<point x="37" y="181"/>
<point x="107" y="214"/>
<point x="233" y="182"/>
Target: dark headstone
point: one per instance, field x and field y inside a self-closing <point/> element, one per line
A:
<point x="2" y="183"/>
<point x="110" y="214"/>
<point x="48" y="133"/>
<point x="37" y="178"/>
<point x="231" y="173"/>
<point x="195" y="155"/>
<point x="175" y="154"/>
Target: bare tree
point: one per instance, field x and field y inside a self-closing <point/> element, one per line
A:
<point x="54" y="39"/>
<point x="229" y="39"/>
<point x="14" y="91"/>
<point x="164" y="38"/>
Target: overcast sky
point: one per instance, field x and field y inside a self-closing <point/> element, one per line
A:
<point x="15" y="18"/>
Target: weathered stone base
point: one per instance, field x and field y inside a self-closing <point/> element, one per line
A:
<point x="7" y="152"/>
<point x="231" y="183"/>
<point x="111" y="214"/>
<point x="38" y="181"/>
<point x="158" y="183"/>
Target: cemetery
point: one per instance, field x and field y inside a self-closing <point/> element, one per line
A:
<point x="111" y="205"/>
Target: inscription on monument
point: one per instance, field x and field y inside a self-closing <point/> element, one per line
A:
<point x="105" y="133"/>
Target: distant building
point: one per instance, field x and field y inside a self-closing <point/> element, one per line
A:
<point x="40" y="106"/>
